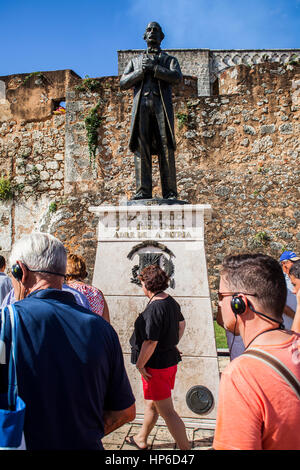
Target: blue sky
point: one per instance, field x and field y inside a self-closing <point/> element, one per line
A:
<point x="85" y="36"/>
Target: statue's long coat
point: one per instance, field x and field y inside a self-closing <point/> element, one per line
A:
<point x="168" y="72"/>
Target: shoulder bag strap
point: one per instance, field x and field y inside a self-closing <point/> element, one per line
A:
<point x="2" y="338"/>
<point x="12" y="371"/>
<point x="278" y="366"/>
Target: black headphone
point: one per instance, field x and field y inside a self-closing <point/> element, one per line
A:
<point x="17" y="272"/>
<point x="239" y="306"/>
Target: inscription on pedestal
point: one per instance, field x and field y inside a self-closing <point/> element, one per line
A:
<point x="181" y="222"/>
<point x="163" y="235"/>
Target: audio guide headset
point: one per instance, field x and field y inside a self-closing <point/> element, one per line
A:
<point x="17" y="272"/>
<point x="239" y="306"/>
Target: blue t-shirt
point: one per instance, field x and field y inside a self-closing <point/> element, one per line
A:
<point x="70" y="368"/>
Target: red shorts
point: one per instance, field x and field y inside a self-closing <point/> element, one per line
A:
<point x="161" y="383"/>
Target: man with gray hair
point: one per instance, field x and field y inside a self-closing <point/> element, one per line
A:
<point x="70" y="365"/>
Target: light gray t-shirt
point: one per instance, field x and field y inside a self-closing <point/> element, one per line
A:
<point x="5" y="286"/>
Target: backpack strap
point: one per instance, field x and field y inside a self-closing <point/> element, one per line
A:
<point x="278" y="366"/>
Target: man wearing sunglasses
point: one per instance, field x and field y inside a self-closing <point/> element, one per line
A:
<point x="258" y="408"/>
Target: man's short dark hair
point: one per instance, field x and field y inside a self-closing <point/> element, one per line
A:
<point x="259" y="275"/>
<point x="2" y="262"/>
<point x="295" y="269"/>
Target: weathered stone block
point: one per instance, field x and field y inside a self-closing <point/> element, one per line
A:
<point x="286" y="128"/>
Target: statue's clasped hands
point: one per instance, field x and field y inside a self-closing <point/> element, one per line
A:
<point x="148" y="64"/>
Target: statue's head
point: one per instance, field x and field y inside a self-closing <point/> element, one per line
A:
<point x="153" y="34"/>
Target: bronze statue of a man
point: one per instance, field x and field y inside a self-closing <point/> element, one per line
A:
<point x="152" y="127"/>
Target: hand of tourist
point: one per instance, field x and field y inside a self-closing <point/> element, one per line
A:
<point x="144" y="373"/>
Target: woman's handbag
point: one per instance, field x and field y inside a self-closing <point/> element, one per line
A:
<point x="12" y="407"/>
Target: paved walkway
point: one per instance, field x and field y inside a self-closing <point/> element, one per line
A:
<point x="160" y="438"/>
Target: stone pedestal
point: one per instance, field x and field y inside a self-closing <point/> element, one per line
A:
<point x="130" y="237"/>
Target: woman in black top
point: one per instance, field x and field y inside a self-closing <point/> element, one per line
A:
<point x="157" y="331"/>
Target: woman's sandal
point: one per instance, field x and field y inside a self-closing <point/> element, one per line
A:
<point x="130" y="440"/>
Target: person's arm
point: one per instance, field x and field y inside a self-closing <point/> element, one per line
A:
<point x="131" y="76"/>
<point x="119" y="401"/>
<point x="171" y="74"/>
<point x="219" y="318"/>
<point x="115" y="419"/>
<point x="105" y="313"/>
<point x="289" y="311"/>
<point x="181" y="329"/>
<point x="296" y="322"/>
<point x="146" y="352"/>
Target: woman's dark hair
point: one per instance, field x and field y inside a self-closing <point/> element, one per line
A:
<point x="295" y="269"/>
<point x="154" y="278"/>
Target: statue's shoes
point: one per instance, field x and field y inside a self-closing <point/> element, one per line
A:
<point x="137" y="197"/>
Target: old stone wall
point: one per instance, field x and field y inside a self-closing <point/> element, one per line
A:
<point x="207" y="64"/>
<point x="32" y="149"/>
<point x="238" y="151"/>
<point x="194" y="62"/>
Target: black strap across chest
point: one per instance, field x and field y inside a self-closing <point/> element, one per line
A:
<point x="278" y="366"/>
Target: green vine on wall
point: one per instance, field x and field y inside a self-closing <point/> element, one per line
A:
<point x="92" y="123"/>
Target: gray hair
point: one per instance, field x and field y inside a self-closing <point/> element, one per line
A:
<point x="40" y="251"/>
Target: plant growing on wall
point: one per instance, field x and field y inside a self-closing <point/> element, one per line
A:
<point x="52" y="207"/>
<point x="33" y="74"/>
<point x="260" y="239"/>
<point x="182" y="119"/>
<point x="6" y="188"/>
<point x="92" y="123"/>
<point x="88" y="84"/>
<point x="294" y="60"/>
<point x="9" y="189"/>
